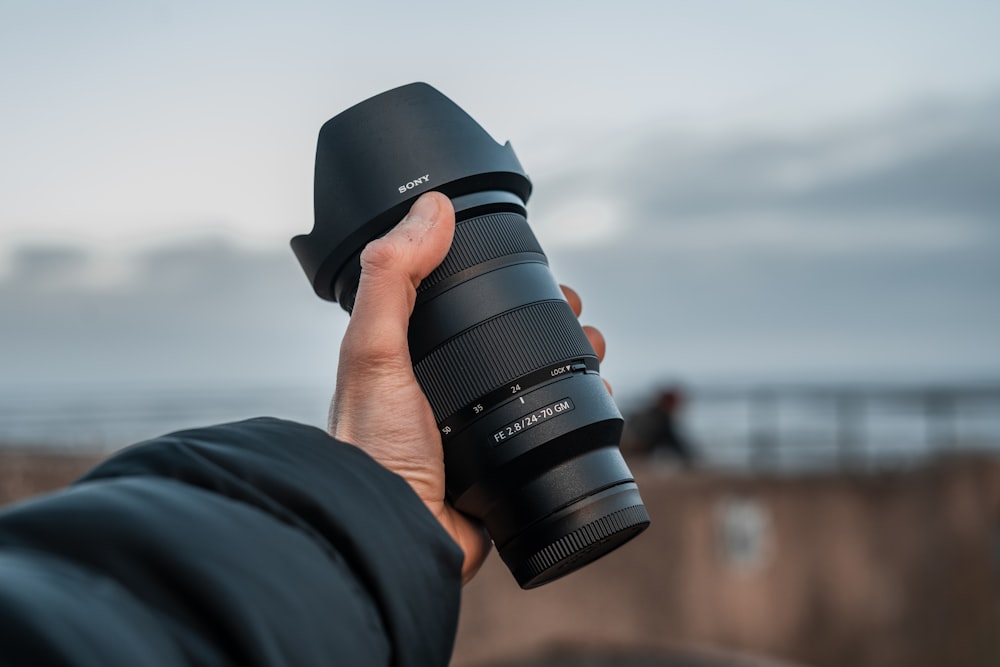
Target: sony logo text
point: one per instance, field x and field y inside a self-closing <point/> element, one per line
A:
<point x="414" y="183"/>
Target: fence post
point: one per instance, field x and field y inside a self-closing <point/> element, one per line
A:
<point x="850" y="408"/>
<point x="764" y="428"/>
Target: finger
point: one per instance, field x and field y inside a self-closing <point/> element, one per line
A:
<point x="391" y="268"/>
<point x="608" y="386"/>
<point x="573" y="298"/>
<point x="596" y="339"/>
<point x="471" y="536"/>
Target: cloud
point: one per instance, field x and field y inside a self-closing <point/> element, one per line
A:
<point x="203" y="312"/>
<point x="865" y="251"/>
<point x="925" y="176"/>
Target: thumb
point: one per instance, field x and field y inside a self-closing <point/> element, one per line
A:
<point x="391" y="269"/>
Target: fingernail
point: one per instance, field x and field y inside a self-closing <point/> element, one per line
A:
<point x="423" y="215"/>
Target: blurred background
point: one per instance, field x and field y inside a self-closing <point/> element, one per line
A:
<point x="783" y="216"/>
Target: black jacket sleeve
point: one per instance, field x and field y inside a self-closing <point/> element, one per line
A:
<point x="262" y="542"/>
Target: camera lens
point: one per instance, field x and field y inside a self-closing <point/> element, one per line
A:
<point x="530" y="433"/>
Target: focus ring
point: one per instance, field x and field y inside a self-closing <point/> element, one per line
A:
<point x="564" y="551"/>
<point x="498" y="351"/>
<point x="482" y="239"/>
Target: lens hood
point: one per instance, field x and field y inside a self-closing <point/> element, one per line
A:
<point x="375" y="158"/>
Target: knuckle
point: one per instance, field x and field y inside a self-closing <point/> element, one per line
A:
<point x="373" y="356"/>
<point x="380" y="254"/>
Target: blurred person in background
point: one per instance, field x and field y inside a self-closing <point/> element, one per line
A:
<point x="654" y="430"/>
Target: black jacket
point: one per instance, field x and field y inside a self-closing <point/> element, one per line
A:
<point x="262" y="542"/>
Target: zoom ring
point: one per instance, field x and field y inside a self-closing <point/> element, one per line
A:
<point x="482" y="239"/>
<point x="499" y="351"/>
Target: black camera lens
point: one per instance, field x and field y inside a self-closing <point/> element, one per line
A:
<point x="529" y="430"/>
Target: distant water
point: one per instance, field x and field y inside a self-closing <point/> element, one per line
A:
<point x="105" y="419"/>
<point x="818" y="428"/>
<point x="777" y="428"/>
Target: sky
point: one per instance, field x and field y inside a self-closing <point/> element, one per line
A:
<point x="740" y="191"/>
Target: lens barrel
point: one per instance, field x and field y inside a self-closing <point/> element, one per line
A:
<point x="530" y="433"/>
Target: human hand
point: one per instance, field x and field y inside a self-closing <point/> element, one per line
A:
<point x="378" y="405"/>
